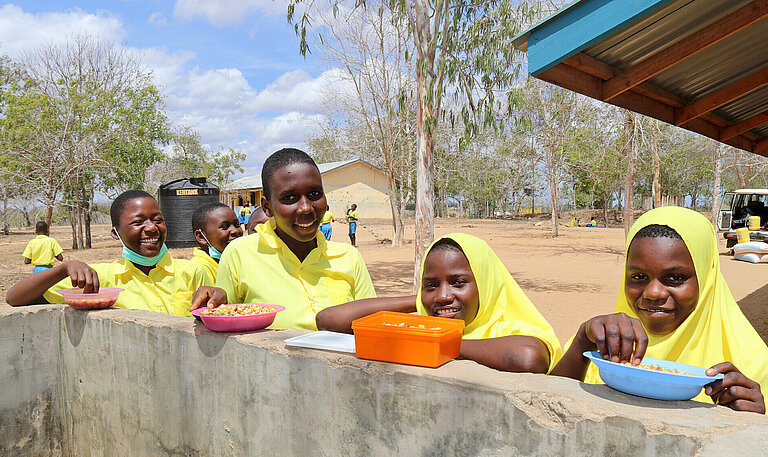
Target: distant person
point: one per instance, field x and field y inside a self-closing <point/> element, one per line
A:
<point x="257" y="217"/>
<point x="214" y="225"/>
<point x="152" y="279"/>
<point x="574" y="222"/>
<point x="592" y="223"/>
<point x="288" y="261"/>
<point x="41" y="251"/>
<point x="352" y="220"/>
<point x="326" y="226"/>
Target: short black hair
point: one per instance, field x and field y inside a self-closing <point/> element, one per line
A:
<point x="278" y="160"/>
<point x="446" y="244"/>
<point x="118" y="205"/>
<point x="41" y="227"/>
<point x="657" y="231"/>
<point x="201" y="214"/>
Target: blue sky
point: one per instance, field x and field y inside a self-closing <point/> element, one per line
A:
<point x="229" y="68"/>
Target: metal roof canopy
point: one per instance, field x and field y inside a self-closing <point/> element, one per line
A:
<point x="699" y="64"/>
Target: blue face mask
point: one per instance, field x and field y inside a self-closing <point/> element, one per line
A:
<point x="139" y="259"/>
<point x="212" y="251"/>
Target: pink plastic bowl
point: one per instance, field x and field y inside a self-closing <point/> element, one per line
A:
<point x="238" y="323"/>
<point x="106" y="297"/>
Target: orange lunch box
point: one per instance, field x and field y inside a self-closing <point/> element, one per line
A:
<point x="397" y="337"/>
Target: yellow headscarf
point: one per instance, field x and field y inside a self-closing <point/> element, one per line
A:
<point x="716" y="331"/>
<point x="504" y="308"/>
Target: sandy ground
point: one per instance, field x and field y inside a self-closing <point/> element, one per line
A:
<point x="569" y="278"/>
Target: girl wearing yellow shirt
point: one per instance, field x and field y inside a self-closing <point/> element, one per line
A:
<point x="152" y="279"/>
<point x="462" y="278"/>
<point x="214" y="225"/>
<point x="674" y="305"/>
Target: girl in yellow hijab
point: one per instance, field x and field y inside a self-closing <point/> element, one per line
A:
<point x="462" y="278"/>
<point x="674" y="305"/>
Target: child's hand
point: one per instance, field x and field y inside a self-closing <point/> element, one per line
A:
<point x="82" y="276"/>
<point x="618" y="336"/>
<point x="208" y="296"/>
<point x="735" y="390"/>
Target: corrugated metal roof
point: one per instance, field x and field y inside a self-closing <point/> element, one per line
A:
<point x="254" y="182"/>
<point x="709" y="71"/>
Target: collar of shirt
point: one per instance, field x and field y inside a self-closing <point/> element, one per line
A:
<point x="267" y="233"/>
<point x="40" y="237"/>
<point x="124" y="265"/>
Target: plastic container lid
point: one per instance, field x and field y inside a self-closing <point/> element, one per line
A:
<point x="397" y="337"/>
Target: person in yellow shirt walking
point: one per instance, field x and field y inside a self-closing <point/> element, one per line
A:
<point x="214" y="225"/>
<point x="41" y="251"/>
<point x="288" y="261"/>
<point x="352" y="220"/>
<point x="326" y="227"/>
<point x="152" y="279"/>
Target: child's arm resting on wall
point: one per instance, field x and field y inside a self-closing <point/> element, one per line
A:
<point x="516" y="353"/>
<point x="30" y="290"/>
<point x="617" y="336"/>
<point x="339" y="318"/>
<point x="735" y="390"/>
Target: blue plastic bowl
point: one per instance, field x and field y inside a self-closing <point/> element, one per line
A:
<point x="648" y="383"/>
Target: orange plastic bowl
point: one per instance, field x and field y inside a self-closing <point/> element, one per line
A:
<point x="438" y="342"/>
<point x="104" y="298"/>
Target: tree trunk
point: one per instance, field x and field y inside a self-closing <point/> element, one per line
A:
<point x="656" y="189"/>
<point x="6" y="229"/>
<point x="88" y="215"/>
<point x="605" y="209"/>
<point x="394" y="205"/>
<point x="630" y="134"/>
<point x="717" y="175"/>
<point x="426" y="120"/>
<point x="553" y="189"/>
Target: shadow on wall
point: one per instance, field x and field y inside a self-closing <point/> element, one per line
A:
<point x="753" y="306"/>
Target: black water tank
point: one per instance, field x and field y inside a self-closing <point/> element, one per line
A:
<point x="178" y="200"/>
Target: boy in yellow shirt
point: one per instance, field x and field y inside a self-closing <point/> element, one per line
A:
<point x="352" y="220"/>
<point x="214" y="226"/>
<point x="152" y="279"/>
<point x="287" y="261"/>
<point x="326" y="227"/>
<point x="41" y="251"/>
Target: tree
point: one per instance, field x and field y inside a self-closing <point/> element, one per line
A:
<point x="461" y="45"/>
<point x="370" y="46"/>
<point x="630" y="153"/>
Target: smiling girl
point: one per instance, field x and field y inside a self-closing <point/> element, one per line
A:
<point x="152" y="279"/>
<point x="214" y="225"/>
<point x="287" y="261"/>
<point x="462" y="278"/>
<point x="674" y="305"/>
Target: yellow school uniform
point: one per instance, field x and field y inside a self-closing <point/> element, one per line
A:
<point x="42" y="250"/>
<point x="716" y="331"/>
<point x="210" y="265"/>
<point x="504" y="308"/>
<point x="167" y="289"/>
<point x="328" y="217"/>
<point x="261" y="269"/>
<point x="352" y="216"/>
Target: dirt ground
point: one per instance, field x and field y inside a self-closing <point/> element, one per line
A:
<point x="569" y="278"/>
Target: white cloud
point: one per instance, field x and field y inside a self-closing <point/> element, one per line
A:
<point x="226" y="12"/>
<point x="158" y="18"/>
<point x="20" y="31"/>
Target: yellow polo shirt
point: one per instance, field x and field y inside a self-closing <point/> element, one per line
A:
<point x="352" y="216"/>
<point x="328" y="217"/>
<point x="261" y="269"/>
<point x="203" y="259"/>
<point x="167" y="289"/>
<point x="42" y="250"/>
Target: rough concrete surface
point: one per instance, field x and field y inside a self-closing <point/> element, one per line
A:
<point x="125" y="382"/>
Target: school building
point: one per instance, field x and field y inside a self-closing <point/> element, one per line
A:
<point x="346" y="182"/>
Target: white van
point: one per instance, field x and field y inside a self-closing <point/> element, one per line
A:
<point x="736" y="209"/>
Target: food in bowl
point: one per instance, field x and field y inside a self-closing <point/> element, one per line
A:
<point x="658" y="368"/>
<point x="104" y="298"/>
<point x="238" y="310"/>
<point x="403" y="324"/>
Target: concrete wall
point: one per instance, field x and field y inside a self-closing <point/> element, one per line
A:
<point x="125" y="382"/>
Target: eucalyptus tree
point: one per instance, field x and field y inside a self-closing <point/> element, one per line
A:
<point x="463" y="49"/>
